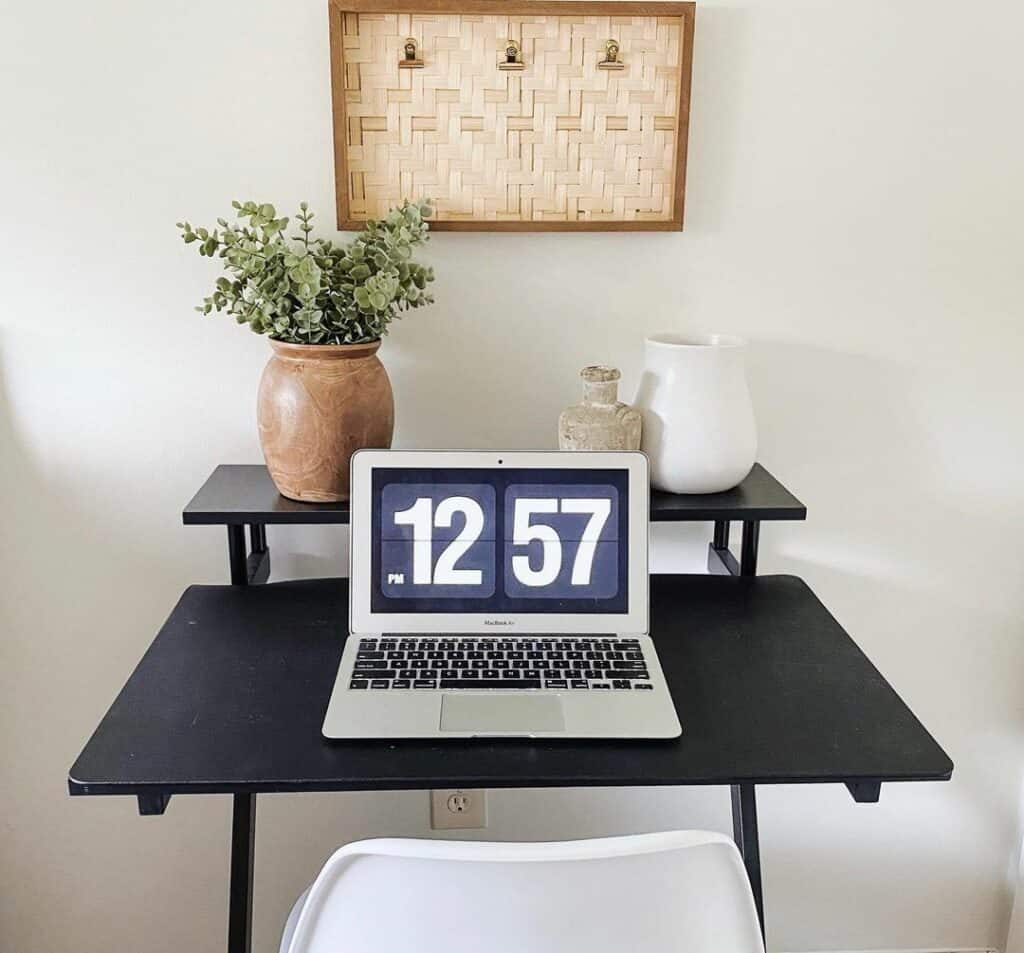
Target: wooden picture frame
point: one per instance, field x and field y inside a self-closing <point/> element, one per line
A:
<point x="668" y="175"/>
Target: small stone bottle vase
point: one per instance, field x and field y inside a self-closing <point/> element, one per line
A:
<point x="318" y="404"/>
<point x="699" y="429"/>
<point x="601" y="421"/>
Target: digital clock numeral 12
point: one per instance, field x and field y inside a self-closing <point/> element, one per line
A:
<point x="422" y="521"/>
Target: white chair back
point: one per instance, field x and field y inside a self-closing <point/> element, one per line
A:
<point x="656" y="893"/>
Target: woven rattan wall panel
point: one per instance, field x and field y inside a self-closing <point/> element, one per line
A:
<point x="560" y="132"/>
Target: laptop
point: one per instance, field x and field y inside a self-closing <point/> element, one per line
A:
<point x="499" y="595"/>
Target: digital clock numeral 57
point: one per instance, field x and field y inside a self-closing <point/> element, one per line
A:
<point x="525" y="532"/>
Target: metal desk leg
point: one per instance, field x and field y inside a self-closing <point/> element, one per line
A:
<point x="721" y="561"/>
<point x="748" y="552"/>
<point x="254" y="568"/>
<point x="236" y="556"/>
<point x="243" y="842"/>
<point x="744" y="831"/>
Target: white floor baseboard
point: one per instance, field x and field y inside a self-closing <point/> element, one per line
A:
<point x="936" y="949"/>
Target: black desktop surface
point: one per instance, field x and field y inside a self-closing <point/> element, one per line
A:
<point x="768" y="686"/>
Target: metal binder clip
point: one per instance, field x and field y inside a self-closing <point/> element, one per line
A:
<point x="511" y="60"/>
<point x="611" y="57"/>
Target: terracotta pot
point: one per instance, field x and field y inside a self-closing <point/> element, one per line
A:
<point x="319" y="404"/>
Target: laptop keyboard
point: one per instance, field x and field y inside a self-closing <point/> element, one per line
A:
<point x="572" y="663"/>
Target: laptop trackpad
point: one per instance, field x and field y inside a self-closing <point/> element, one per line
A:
<point x="501" y="713"/>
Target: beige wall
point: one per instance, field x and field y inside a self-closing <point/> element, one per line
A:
<point x="854" y="210"/>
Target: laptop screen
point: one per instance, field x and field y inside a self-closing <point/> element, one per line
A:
<point x="499" y="540"/>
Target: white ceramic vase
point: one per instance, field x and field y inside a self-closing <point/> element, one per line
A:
<point x="699" y="430"/>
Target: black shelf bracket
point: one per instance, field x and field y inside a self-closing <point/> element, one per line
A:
<point x="153" y="805"/>
<point x="865" y="792"/>
<point x="254" y="568"/>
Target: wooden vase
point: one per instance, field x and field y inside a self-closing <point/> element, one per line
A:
<point x="319" y="404"/>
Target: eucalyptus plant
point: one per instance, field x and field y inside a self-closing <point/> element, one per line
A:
<point x="307" y="290"/>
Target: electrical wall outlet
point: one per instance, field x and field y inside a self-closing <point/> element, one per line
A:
<point x="458" y="809"/>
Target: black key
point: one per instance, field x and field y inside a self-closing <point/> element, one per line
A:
<point x="455" y="653"/>
<point x="400" y="683"/>
<point x="489" y="673"/>
<point x="594" y="655"/>
<point x="417" y="655"/>
<point x="542" y="663"/>
<point x="592" y="673"/>
<point x="621" y="683"/>
<point x="510" y="673"/>
<point x="439" y="663"/>
<point x="613" y="655"/>
<point x="626" y="663"/>
<point x="478" y="663"/>
<point x="358" y="683"/>
<point x="435" y="654"/>
<point x="459" y="663"/>
<point x="504" y="645"/>
<point x="580" y="664"/>
<point x="574" y="655"/>
<point x="626" y="642"/>
<point x="515" y="655"/>
<point x="472" y="683"/>
<point x="367" y="643"/>
<point x="534" y="654"/>
<point x="646" y="685"/>
<point x="420" y="663"/>
<point x="394" y="656"/>
<point x="499" y="663"/>
<point x="554" y="655"/>
<point x="380" y="683"/>
<point x="449" y="673"/>
<point x="635" y="656"/>
<point x="555" y="683"/>
<point x="406" y="646"/>
<point x="370" y="666"/>
<point x="560" y="663"/>
<point x="475" y="655"/>
<point x="424" y="683"/>
<point x="369" y="655"/>
<point x="578" y="683"/>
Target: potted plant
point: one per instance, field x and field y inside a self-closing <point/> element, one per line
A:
<point x="324" y="393"/>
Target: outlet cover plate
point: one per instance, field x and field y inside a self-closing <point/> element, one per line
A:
<point x="458" y="809"/>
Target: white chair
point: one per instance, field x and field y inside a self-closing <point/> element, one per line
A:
<point x="656" y="893"/>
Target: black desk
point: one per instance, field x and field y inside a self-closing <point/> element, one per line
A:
<point x="230" y="697"/>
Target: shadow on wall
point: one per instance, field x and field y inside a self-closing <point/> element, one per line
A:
<point x="898" y="544"/>
<point x="80" y="600"/>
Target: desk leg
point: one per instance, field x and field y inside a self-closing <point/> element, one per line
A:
<point x="243" y="843"/>
<point x="236" y="556"/>
<point x="748" y="551"/>
<point x="744" y="831"/>
<point x="254" y="568"/>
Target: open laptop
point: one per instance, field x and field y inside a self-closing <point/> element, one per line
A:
<point x="499" y="595"/>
